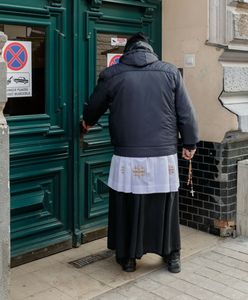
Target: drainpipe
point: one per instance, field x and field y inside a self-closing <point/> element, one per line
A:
<point x="4" y="183"/>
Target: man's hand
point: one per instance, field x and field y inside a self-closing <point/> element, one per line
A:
<point x="85" y="127"/>
<point x="188" y="154"/>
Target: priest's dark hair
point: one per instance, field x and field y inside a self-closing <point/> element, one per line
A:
<point x="137" y="37"/>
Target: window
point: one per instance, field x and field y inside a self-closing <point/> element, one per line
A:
<point x="106" y="50"/>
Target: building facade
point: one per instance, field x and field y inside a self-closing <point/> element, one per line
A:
<point x="59" y="196"/>
<point x="209" y="40"/>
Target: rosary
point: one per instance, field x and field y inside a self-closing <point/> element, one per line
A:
<point x="190" y="179"/>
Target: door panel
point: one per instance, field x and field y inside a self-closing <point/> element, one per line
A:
<point x="106" y="19"/>
<point x="39" y="128"/>
<point x="38" y="205"/>
<point x="94" y="176"/>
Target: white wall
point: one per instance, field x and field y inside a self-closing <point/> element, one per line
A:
<point x="185" y="31"/>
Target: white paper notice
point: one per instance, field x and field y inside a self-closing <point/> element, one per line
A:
<point x="115" y="41"/>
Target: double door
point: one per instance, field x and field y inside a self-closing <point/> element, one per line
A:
<point x="58" y="178"/>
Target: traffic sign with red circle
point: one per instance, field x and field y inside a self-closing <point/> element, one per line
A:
<point x="16" y="56"/>
<point x="115" y="60"/>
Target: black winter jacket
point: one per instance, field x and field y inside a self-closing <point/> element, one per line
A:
<point x="148" y="105"/>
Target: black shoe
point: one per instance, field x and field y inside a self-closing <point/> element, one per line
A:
<point x="173" y="262"/>
<point x="129" y="265"/>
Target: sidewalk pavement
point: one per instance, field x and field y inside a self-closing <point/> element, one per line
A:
<point x="212" y="269"/>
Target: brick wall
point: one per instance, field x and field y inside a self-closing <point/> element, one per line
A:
<point x="213" y="207"/>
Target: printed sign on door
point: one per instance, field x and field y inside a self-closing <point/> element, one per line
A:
<point x="115" y="41"/>
<point x="18" y="56"/>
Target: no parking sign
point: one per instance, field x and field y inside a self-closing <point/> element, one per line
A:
<point x="18" y="56"/>
<point x="113" y="59"/>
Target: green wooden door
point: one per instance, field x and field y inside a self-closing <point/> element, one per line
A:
<point x="40" y="131"/>
<point x="58" y="183"/>
<point x="99" y="22"/>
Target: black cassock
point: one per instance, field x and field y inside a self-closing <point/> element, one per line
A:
<point x="140" y="224"/>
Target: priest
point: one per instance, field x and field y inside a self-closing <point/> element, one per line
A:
<point x="149" y="106"/>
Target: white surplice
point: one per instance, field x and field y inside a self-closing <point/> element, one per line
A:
<point x="145" y="175"/>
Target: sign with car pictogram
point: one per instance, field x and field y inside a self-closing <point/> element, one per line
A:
<point x="113" y="59"/>
<point x="18" y="56"/>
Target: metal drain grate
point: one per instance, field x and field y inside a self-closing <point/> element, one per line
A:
<point x="84" y="261"/>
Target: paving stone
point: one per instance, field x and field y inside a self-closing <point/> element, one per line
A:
<point x="27" y="285"/>
<point x="130" y="290"/>
<point x="244" y="298"/>
<point x="211" y="285"/>
<point x="188" y="266"/>
<point x="232" y="293"/>
<point x="241" y="286"/>
<point x="216" y="275"/>
<point x="211" y="264"/>
<point x="150" y="296"/>
<point x="236" y="273"/>
<point x="110" y="296"/>
<point x="147" y="284"/>
<point x="211" y="255"/>
<point x="50" y="294"/>
<point x="232" y="262"/>
<point x="218" y="297"/>
<point x="242" y="248"/>
<point x="183" y="297"/>
<point x="167" y="292"/>
<point x="232" y="253"/>
<point x="193" y="290"/>
<point x="161" y="276"/>
<point x="82" y="285"/>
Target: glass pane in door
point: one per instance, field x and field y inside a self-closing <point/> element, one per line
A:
<point x="109" y="48"/>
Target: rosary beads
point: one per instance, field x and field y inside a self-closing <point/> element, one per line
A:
<point x="190" y="179"/>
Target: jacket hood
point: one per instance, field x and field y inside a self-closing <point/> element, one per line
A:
<point x="140" y="54"/>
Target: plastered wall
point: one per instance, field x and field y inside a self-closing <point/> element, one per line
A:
<point x="185" y="31"/>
